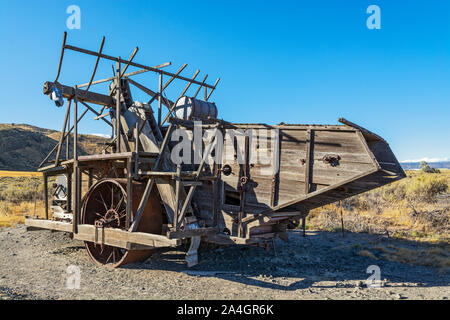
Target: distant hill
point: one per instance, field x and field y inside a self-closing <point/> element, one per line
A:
<point x="23" y="147"/>
<point x="416" y="165"/>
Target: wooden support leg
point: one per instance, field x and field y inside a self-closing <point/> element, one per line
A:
<point x="69" y="191"/>
<point x="177" y="197"/>
<point x="304" y="226"/>
<point x="192" y="254"/>
<point x="76" y="170"/>
<point x="46" y="195"/>
<point x="129" y="192"/>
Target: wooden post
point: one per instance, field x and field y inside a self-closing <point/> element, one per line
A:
<point x="129" y="192"/>
<point x="90" y="178"/>
<point x="241" y="214"/>
<point x="150" y="182"/>
<point x="68" y="139"/>
<point x="118" y="125"/>
<point x="307" y="172"/>
<point x="136" y="149"/>
<point x="46" y="194"/>
<point x="63" y="131"/>
<point x="75" y="189"/>
<point x="177" y="196"/>
<point x="69" y="191"/>
<point x="159" y="99"/>
<point x="342" y="217"/>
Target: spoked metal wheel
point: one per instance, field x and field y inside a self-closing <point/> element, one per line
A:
<point x="105" y="205"/>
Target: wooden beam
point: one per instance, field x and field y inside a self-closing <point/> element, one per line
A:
<point x="191" y="233"/>
<point x="151" y="93"/>
<point x="126" y="75"/>
<point x="76" y="196"/>
<point x="63" y="131"/>
<point x="56" y="146"/>
<point x="308" y="196"/>
<point x="150" y="182"/>
<point x="96" y="113"/>
<point x="83" y="95"/>
<point x="108" y="236"/>
<point x="198" y="90"/>
<point x="93" y="53"/>
<point x="213" y="88"/>
<point x="192" y="188"/>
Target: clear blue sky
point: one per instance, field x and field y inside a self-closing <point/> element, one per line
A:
<point x="293" y="62"/>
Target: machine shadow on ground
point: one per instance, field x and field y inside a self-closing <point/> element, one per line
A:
<point x="319" y="260"/>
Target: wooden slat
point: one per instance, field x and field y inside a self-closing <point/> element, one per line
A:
<point x="108" y="236"/>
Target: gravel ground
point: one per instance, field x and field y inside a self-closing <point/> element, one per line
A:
<point x="33" y="265"/>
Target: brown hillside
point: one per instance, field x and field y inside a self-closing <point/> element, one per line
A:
<point x="23" y="147"/>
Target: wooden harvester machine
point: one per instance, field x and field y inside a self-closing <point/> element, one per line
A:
<point x="155" y="185"/>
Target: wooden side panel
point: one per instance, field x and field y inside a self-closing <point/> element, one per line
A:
<point x="353" y="160"/>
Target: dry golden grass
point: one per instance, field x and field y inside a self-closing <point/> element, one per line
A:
<point x="26" y="187"/>
<point x="437" y="256"/>
<point x="13" y="174"/>
<point x="415" y="207"/>
<point x="12" y="213"/>
<point x="367" y="253"/>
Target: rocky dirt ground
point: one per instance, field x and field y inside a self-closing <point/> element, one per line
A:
<point x="33" y="265"/>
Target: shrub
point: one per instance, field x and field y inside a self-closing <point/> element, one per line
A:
<point x="426" y="188"/>
<point x="427" y="169"/>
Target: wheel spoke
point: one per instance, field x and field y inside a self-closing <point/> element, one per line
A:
<point x="109" y="257"/>
<point x="104" y="202"/>
<point x="112" y="197"/>
<point x="120" y="203"/>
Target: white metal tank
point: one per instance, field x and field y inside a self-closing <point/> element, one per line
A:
<point x="187" y="108"/>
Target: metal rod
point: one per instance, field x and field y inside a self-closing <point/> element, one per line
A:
<point x="96" y="64"/>
<point x="62" y="55"/>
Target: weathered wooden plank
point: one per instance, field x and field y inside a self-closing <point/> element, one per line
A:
<point x="108" y="236"/>
<point x="82" y="95"/>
